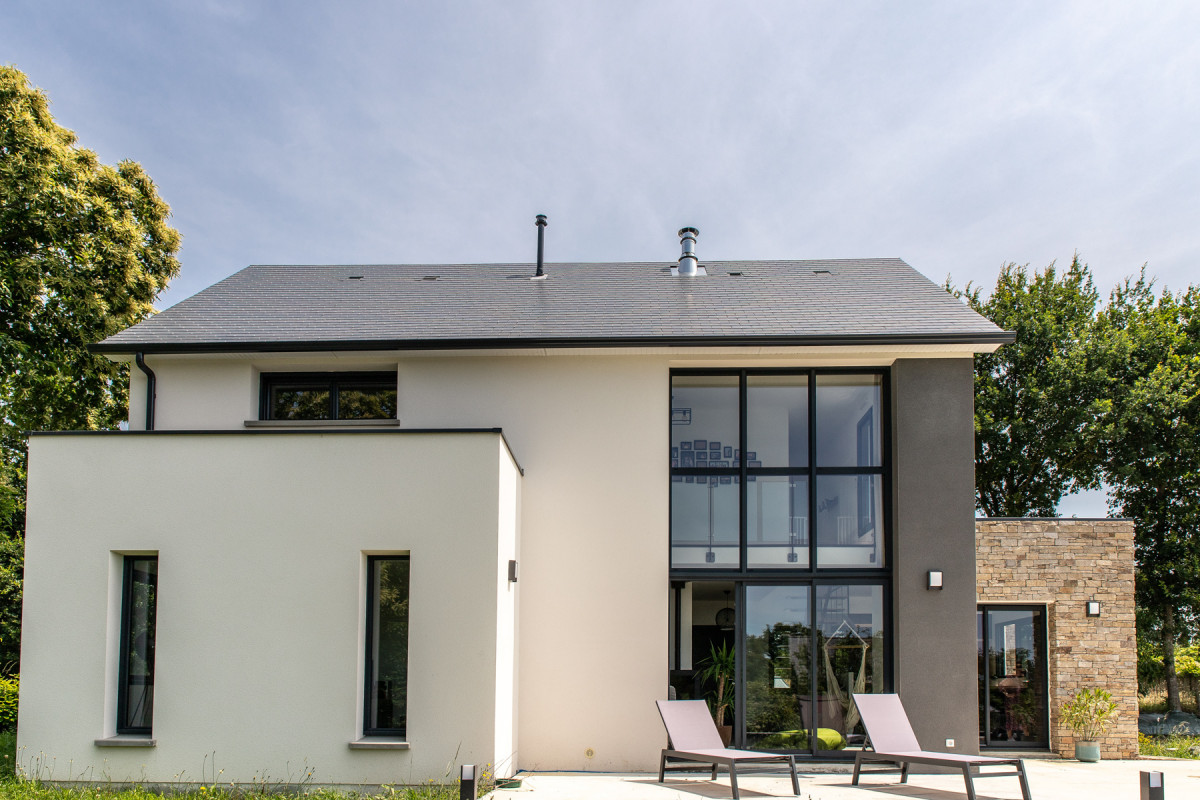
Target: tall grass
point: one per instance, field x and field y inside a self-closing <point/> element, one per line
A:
<point x="1173" y="746"/>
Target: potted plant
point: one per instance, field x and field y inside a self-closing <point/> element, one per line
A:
<point x="1090" y="713"/>
<point x="718" y="670"/>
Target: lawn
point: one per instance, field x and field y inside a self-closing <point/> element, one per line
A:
<point x="1173" y="746"/>
<point x="13" y="788"/>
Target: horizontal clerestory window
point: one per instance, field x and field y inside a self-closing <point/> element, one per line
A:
<point x="327" y="395"/>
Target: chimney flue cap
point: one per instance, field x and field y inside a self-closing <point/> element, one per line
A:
<point x="687" y="260"/>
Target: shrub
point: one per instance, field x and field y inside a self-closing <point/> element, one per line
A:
<point x="1089" y="714"/>
<point x="8" y="703"/>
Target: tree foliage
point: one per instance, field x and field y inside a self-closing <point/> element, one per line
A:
<point x="1149" y="345"/>
<point x="84" y="250"/>
<point x="1035" y="399"/>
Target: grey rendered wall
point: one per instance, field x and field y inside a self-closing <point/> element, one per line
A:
<point x="934" y="469"/>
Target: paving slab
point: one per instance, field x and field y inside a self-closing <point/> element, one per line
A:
<point x="1048" y="780"/>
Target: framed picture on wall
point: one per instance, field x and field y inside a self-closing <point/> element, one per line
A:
<point x="685" y="445"/>
<point x="701" y="444"/>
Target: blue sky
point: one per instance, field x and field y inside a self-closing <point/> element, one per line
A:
<point x="958" y="136"/>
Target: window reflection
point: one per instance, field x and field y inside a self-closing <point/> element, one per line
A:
<point x="704" y="523"/>
<point x="777" y="521"/>
<point x="849" y="659"/>
<point x="777" y="419"/>
<point x="704" y="419"/>
<point x="848" y="414"/>
<point x="778" y="676"/>
<point x="849" y="520"/>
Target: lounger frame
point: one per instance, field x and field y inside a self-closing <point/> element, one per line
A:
<point x="876" y="710"/>
<point x="710" y="750"/>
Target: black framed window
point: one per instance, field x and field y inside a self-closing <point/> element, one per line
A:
<point x="386" y="691"/>
<point x="781" y="470"/>
<point x="135" y="687"/>
<point x="327" y="395"/>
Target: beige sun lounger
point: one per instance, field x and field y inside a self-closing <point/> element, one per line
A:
<point x="692" y="736"/>
<point x="894" y="742"/>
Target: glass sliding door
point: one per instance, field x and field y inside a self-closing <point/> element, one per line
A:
<point x="778" y="667"/>
<point x="850" y="644"/>
<point x="1012" y="676"/>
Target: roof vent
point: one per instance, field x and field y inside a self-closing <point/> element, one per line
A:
<point x="541" y="223"/>
<point x="687" y="261"/>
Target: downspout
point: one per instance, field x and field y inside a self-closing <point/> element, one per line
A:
<point x="141" y="363"/>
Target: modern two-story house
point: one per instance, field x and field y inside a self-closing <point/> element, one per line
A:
<point x="368" y="521"/>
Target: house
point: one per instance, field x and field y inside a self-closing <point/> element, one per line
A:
<point x="370" y="521"/>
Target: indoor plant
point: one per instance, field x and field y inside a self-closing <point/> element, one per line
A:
<point x="718" y="670"/>
<point x="1089" y="714"/>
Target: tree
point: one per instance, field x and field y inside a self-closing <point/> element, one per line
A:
<point x="1035" y="399"/>
<point x="1150" y="346"/>
<point x="84" y="250"/>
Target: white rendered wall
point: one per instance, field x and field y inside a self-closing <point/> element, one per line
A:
<point x="592" y="432"/>
<point x="221" y="393"/>
<point x="592" y="435"/>
<point x="262" y="540"/>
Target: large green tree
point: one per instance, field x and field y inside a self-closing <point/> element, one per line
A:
<point x="84" y="250"/>
<point x="1150" y="345"/>
<point x="1035" y="399"/>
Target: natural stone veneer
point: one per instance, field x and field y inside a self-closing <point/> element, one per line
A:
<point x="1064" y="563"/>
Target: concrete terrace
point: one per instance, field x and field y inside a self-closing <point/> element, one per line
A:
<point x="1048" y="780"/>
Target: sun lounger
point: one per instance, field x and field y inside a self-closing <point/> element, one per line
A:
<point x="893" y="741"/>
<point x="692" y="736"/>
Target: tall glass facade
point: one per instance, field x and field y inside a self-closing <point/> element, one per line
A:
<point x="779" y="548"/>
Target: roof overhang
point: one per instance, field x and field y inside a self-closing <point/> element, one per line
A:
<point x="973" y="342"/>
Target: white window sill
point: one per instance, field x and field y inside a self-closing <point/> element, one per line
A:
<point x="126" y="740"/>
<point x="322" y="423"/>
<point x="380" y="743"/>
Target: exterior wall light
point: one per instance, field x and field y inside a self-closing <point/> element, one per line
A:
<point x="466" y="783"/>
<point x="935" y="579"/>
<point x="1093" y="608"/>
<point x="512" y="571"/>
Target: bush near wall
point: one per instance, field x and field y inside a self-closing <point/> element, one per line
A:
<point x="8" y="703"/>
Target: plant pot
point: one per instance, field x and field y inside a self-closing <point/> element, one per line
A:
<point x="1087" y="751"/>
<point x="726" y="732"/>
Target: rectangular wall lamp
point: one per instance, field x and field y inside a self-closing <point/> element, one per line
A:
<point x="935" y="579"/>
<point x="1093" y="608"/>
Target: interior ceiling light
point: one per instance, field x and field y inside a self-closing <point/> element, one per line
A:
<point x="725" y="617"/>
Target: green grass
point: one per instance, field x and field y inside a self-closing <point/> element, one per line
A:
<point x="8" y="754"/>
<point x="14" y="789"/>
<point x="1173" y="746"/>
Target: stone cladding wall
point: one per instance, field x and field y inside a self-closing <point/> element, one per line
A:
<point x="1064" y="563"/>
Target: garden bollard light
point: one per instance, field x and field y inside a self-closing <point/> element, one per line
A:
<point x="466" y="782"/>
<point x="1152" y="786"/>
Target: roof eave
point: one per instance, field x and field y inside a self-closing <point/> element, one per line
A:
<point x="349" y="345"/>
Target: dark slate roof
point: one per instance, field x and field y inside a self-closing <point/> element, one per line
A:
<point x="399" y="306"/>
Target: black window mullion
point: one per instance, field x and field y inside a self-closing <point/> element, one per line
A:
<point x="743" y="491"/>
<point x="813" y="562"/>
<point x="814" y="663"/>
